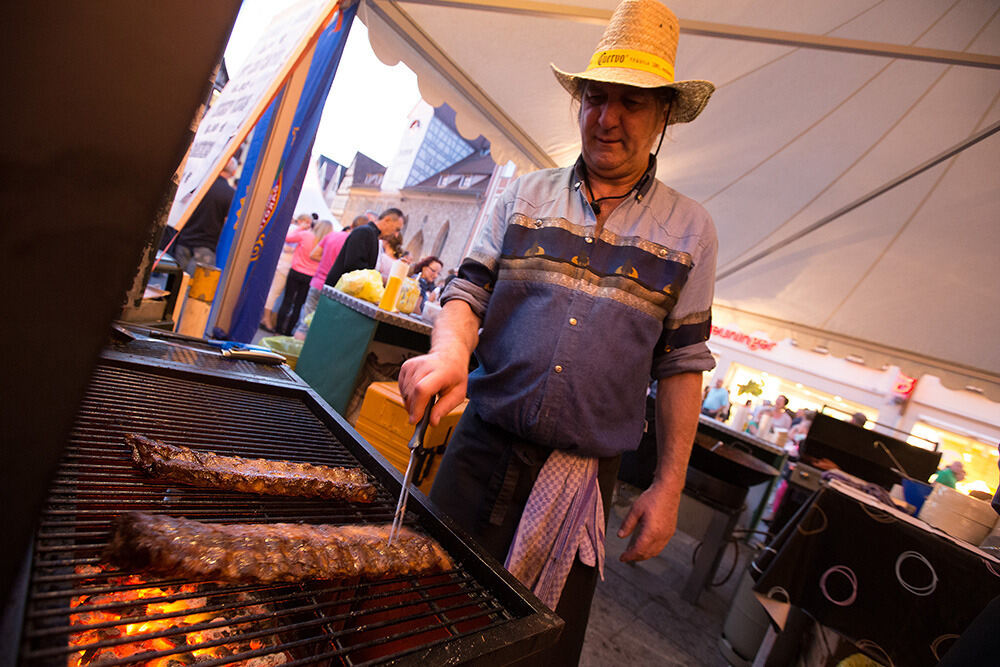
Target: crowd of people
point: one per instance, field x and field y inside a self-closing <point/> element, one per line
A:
<point x="315" y="255"/>
<point x="766" y="420"/>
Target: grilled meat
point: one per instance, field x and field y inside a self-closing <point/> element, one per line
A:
<point x="235" y="473"/>
<point x="269" y="553"/>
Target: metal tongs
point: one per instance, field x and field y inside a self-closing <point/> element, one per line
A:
<point x="416" y="447"/>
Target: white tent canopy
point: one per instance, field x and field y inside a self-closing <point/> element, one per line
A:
<point x="848" y="156"/>
<point x="311" y="198"/>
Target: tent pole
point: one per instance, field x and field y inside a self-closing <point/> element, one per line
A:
<point x="725" y="31"/>
<point x="864" y="199"/>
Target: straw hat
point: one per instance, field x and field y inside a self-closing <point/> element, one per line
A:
<point x="638" y="49"/>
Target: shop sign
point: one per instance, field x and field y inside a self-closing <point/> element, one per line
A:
<point x="904" y="386"/>
<point x="752" y="342"/>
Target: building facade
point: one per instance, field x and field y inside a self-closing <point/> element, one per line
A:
<point x="438" y="179"/>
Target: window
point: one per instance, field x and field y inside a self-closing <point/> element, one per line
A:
<point x="471" y="179"/>
<point x="440" y="148"/>
<point x="799" y="396"/>
<point x="416" y="245"/>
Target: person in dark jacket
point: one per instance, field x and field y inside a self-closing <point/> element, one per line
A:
<point x="360" y="250"/>
<point x="195" y="243"/>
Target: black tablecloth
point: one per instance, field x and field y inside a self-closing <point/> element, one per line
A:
<point x="901" y="590"/>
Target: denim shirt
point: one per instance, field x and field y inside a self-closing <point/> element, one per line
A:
<point x="575" y="325"/>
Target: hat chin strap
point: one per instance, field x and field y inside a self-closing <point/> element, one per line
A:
<point x="595" y="204"/>
<point x="666" y="120"/>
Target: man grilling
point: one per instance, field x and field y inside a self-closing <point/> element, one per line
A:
<point x="585" y="282"/>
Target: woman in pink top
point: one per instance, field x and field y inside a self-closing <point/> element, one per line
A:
<point x="303" y="268"/>
<point x="330" y="247"/>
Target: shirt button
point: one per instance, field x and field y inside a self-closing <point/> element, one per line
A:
<point x="588" y="239"/>
<point x="572" y="321"/>
<point x="558" y="368"/>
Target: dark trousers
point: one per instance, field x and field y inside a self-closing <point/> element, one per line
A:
<point x="483" y="484"/>
<point x="296" y="291"/>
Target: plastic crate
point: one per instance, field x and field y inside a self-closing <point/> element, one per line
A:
<point x="384" y="423"/>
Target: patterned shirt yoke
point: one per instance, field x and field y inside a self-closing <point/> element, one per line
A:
<point x="576" y="323"/>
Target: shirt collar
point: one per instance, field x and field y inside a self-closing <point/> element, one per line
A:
<point x="578" y="172"/>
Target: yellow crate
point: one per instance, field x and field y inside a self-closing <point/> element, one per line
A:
<point x="384" y="423"/>
<point x="204" y="283"/>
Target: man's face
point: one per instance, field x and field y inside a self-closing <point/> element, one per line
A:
<point x="617" y="127"/>
<point x="390" y="226"/>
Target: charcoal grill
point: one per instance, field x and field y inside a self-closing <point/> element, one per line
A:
<point x="475" y="613"/>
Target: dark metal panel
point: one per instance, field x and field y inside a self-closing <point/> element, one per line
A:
<point x="99" y="99"/>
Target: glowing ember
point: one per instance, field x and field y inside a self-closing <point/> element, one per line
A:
<point x="126" y="619"/>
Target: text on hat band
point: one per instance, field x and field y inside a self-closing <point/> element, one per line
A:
<point x="632" y="59"/>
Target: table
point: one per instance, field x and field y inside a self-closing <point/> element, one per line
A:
<point x="711" y="505"/>
<point x="341" y="336"/>
<point x="901" y="590"/>
<point x="757" y="447"/>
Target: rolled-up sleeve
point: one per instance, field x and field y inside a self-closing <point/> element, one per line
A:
<point x="478" y="271"/>
<point x="461" y="289"/>
<point x="683" y="345"/>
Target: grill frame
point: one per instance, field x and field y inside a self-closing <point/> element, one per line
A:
<point x="531" y="625"/>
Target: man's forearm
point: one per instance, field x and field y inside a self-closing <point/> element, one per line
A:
<point x="652" y="519"/>
<point x="456" y="330"/>
<point x="678" y="399"/>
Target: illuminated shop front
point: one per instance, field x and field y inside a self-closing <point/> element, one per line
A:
<point x="965" y="425"/>
<point x="800" y="396"/>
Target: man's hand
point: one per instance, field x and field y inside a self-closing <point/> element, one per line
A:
<point x="444" y="371"/>
<point x="434" y="374"/>
<point x="651" y="522"/>
<point x="654" y="513"/>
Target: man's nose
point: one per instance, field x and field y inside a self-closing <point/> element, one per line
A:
<point x="610" y="114"/>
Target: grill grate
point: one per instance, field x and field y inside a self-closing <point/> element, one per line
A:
<point x="177" y="621"/>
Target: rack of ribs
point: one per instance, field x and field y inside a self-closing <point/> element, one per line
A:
<point x="235" y="473"/>
<point x="269" y="553"/>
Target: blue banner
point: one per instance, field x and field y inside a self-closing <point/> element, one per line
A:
<point x="236" y="210"/>
<point x="288" y="181"/>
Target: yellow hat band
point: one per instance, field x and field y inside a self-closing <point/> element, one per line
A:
<point x="630" y="59"/>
